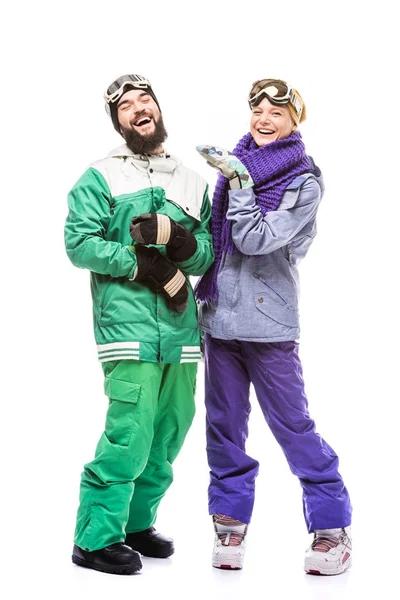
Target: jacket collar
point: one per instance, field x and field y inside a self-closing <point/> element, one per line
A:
<point x="164" y="162"/>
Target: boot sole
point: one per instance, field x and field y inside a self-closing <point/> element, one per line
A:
<point x="160" y="554"/>
<point x="121" y="570"/>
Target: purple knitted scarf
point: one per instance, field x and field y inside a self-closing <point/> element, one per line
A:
<point x="272" y="168"/>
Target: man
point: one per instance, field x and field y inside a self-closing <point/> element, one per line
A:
<point x="139" y="221"/>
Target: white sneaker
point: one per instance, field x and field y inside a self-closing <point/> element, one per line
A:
<point x="329" y="553"/>
<point x="229" y="546"/>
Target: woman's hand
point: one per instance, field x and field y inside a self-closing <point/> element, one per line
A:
<point x="228" y="165"/>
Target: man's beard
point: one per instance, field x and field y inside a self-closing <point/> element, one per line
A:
<point x="145" y="144"/>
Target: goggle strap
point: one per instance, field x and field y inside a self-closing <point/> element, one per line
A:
<point x="295" y="102"/>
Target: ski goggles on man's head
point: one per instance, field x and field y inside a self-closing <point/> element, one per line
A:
<point x="278" y="92"/>
<point x="119" y="86"/>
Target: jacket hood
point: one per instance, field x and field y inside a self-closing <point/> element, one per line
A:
<point x="316" y="171"/>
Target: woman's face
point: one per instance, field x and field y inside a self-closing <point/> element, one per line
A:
<point x="269" y="123"/>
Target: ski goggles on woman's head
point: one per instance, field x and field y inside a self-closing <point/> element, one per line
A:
<point x="278" y="92"/>
<point x="118" y="87"/>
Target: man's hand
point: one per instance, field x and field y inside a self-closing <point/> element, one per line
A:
<point x="228" y="165"/>
<point x="154" y="228"/>
<point x="162" y="275"/>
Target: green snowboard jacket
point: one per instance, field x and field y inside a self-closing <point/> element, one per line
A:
<point x="130" y="321"/>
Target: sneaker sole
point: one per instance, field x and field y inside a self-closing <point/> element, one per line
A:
<point x="314" y="569"/>
<point x="122" y="570"/>
<point x="227" y="562"/>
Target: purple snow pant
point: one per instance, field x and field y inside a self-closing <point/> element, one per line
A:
<point x="276" y="373"/>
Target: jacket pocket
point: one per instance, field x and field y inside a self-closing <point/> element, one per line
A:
<point x="124" y="301"/>
<point x="269" y="291"/>
<point x="276" y="308"/>
<point x="123" y="410"/>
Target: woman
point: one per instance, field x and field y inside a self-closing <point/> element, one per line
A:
<point x="263" y="222"/>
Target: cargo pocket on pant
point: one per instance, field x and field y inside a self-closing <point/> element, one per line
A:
<point x="123" y="410"/>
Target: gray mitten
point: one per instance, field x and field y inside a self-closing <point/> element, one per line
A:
<point x="228" y="165"/>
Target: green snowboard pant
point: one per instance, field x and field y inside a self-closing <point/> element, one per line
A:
<point x="151" y="407"/>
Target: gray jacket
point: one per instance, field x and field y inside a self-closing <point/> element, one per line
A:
<point x="258" y="283"/>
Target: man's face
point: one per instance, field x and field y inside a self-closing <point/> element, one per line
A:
<point x="137" y="110"/>
<point x="141" y="122"/>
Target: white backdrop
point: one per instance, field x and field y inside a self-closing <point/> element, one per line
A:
<point x="201" y="59"/>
